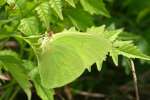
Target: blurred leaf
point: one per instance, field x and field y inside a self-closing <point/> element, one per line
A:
<point x="56" y="5"/>
<point x="43" y="12"/>
<point x="143" y="13"/>
<point x="11" y="2"/>
<point x="29" y="26"/>
<point x="15" y="67"/>
<point x="8" y="52"/>
<point x="79" y="18"/>
<point x="126" y="65"/>
<point x="138" y="4"/>
<point x="42" y="92"/>
<point x="71" y="2"/>
<point x="2" y="2"/>
<point x="28" y="65"/>
<point x="129" y="36"/>
<point x="95" y="7"/>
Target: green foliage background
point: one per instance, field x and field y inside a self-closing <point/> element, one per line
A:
<point x="47" y="44"/>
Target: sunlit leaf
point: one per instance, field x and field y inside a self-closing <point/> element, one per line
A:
<point x="131" y="51"/>
<point x="43" y="12"/>
<point x="56" y="5"/>
<point x="29" y="26"/>
<point x="71" y="2"/>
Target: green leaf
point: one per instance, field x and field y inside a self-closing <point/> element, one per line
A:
<point x="11" y="2"/>
<point x="119" y="43"/>
<point x="43" y="12"/>
<point x="143" y="13"/>
<point x="79" y="18"/>
<point x="2" y="2"/>
<point x="98" y="30"/>
<point x="71" y="2"/>
<point x="42" y="92"/>
<point x="56" y="5"/>
<point x="95" y="7"/>
<point x="29" y="26"/>
<point x="63" y="61"/>
<point x="8" y="52"/>
<point x="15" y="67"/>
<point x="112" y="35"/>
<point x="114" y="54"/>
<point x="131" y="51"/>
<point x="127" y="49"/>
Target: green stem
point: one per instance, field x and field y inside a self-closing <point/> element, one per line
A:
<point x="9" y="84"/>
<point x="14" y="93"/>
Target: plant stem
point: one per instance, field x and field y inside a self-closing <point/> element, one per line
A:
<point x="14" y="94"/>
<point x="9" y="84"/>
<point x="135" y="80"/>
<point x="88" y="94"/>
